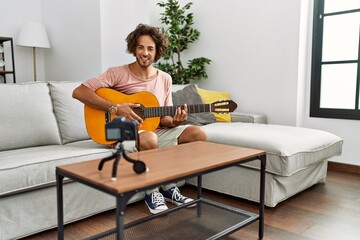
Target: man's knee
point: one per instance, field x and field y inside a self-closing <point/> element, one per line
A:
<point x="148" y="140"/>
<point x="192" y="134"/>
<point x="199" y="133"/>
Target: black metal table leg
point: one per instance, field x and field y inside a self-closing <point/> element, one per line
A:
<point x="121" y="202"/>
<point x="199" y="193"/>
<point x="262" y="196"/>
<point x="60" y="206"/>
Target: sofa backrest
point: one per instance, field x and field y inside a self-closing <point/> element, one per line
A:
<point x="26" y="116"/>
<point x="69" y="112"/>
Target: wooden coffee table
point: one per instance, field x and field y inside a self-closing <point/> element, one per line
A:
<point x="208" y="220"/>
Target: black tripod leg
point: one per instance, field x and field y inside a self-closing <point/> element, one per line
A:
<point x="127" y="157"/>
<point x="115" y="166"/>
<point x="101" y="164"/>
<point x="139" y="166"/>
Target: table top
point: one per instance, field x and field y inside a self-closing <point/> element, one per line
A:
<point x="165" y="164"/>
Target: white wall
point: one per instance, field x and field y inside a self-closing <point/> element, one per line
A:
<point x="118" y="19"/>
<point x="73" y="28"/>
<point x="13" y="14"/>
<point x="254" y="48"/>
<point x="86" y="36"/>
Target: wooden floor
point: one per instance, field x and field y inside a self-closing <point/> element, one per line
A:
<point x="329" y="210"/>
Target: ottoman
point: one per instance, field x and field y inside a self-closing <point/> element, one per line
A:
<point x="296" y="159"/>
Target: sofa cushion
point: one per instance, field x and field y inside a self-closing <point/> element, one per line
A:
<point x="69" y="111"/>
<point x="288" y="149"/>
<point x="189" y="95"/>
<point x="27" y="117"/>
<point x="32" y="168"/>
<point x="212" y="96"/>
<point x="247" y="117"/>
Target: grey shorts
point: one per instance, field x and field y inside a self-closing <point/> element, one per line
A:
<point x="166" y="137"/>
<point x="169" y="136"/>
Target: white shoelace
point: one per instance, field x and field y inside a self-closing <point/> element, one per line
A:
<point x="176" y="195"/>
<point x="157" y="199"/>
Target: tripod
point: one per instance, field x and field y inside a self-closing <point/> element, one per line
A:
<point x="138" y="166"/>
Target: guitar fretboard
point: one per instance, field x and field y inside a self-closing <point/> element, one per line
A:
<point x="170" y="110"/>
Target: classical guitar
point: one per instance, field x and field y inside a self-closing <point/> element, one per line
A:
<point x="149" y="111"/>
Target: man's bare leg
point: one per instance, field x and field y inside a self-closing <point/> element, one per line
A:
<point x="192" y="134"/>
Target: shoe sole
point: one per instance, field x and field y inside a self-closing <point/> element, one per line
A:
<point x="154" y="211"/>
<point x="177" y="203"/>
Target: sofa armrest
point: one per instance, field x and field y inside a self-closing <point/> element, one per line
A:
<point x="247" y="117"/>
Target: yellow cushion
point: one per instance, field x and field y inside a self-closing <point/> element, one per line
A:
<point x="212" y="96"/>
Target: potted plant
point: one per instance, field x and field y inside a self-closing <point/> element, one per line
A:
<point x="178" y="27"/>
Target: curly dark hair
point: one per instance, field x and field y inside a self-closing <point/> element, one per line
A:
<point x="160" y="39"/>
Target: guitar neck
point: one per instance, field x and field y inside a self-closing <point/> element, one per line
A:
<point x="170" y="110"/>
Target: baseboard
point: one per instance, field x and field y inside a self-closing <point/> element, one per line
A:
<point x="344" y="167"/>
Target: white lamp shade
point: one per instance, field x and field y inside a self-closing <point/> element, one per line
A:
<point x="33" y="34"/>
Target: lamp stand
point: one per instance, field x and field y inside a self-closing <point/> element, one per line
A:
<point x="34" y="55"/>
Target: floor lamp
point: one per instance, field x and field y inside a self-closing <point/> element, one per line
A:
<point x="33" y="35"/>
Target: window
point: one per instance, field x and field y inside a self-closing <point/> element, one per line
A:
<point x="335" y="73"/>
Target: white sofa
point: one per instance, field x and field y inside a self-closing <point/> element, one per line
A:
<point x="42" y="126"/>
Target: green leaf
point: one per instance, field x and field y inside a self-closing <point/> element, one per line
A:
<point x="178" y="27"/>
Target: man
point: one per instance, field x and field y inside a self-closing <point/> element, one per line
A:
<point x="148" y="44"/>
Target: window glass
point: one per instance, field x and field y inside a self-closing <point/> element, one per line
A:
<point x="341" y="37"/>
<point x="340" y="5"/>
<point x="338" y="85"/>
<point x="335" y="76"/>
